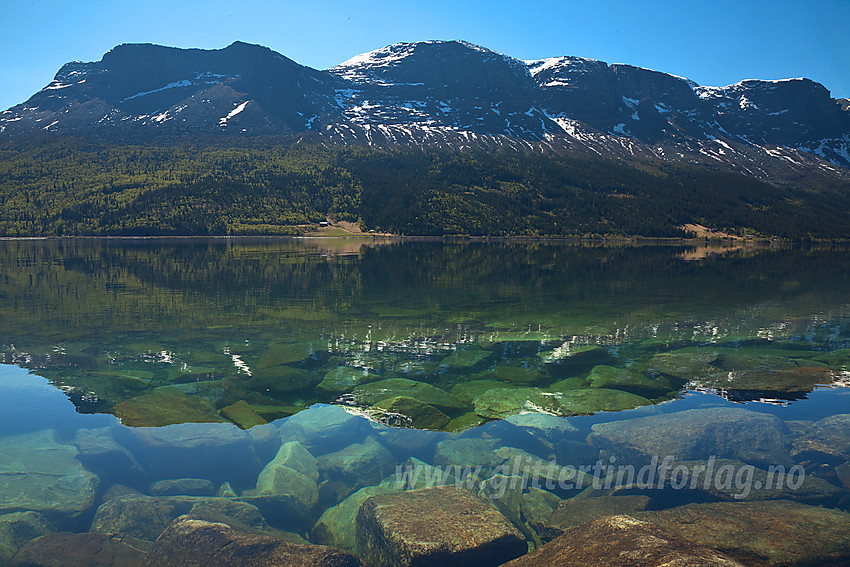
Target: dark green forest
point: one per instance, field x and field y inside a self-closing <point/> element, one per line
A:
<point x="68" y="187"/>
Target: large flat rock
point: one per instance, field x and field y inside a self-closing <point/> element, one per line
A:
<point x="763" y="534"/>
<point x="435" y="526"/>
<point x="729" y="433"/>
<point x="42" y="474"/>
<point x="190" y="543"/>
<point x="622" y="541"/>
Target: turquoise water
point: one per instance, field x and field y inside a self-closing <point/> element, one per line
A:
<point x="292" y="379"/>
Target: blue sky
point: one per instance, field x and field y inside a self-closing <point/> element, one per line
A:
<point x="713" y="42"/>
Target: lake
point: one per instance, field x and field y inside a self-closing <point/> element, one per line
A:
<point x="278" y="384"/>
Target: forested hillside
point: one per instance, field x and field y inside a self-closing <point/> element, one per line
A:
<point x="68" y="187"/>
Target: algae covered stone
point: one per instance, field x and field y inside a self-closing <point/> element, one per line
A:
<point x="374" y="392"/>
<point x="344" y="378"/>
<point x="335" y="527"/>
<point x="409" y="412"/>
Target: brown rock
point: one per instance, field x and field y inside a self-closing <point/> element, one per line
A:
<point x="443" y="526"/>
<point x="759" y="534"/>
<point x="189" y="542"/>
<point x="575" y="511"/>
<point x="622" y="541"/>
<point x="81" y="550"/>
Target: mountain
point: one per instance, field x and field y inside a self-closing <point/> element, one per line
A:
<point x="430" y="137"/>
<point x="445" y="93"/>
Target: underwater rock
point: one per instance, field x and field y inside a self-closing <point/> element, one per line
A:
<point x="225" y="491"/>
<point x="550" y="427"/>
<point x="405" y="441"/>
<point x="465" y="358"/>
<point x="463" y="422"/>
<point x="101" y="454"/>
<point x="499" y="403"/>
<point x="466" y="392"/>
<point x="278" y="479"/>
<point x="583" y="401"/>
<point x="686" y="364"/>
<point x="278" y="354"/>
<point x="415" y="474"/>
<point x="568" y="351"/>
<point x="734" y="480"/>
<point x="190" y="542"/>
<point x="409" y="412"/>
<point x="828" y="441"/>
<point x="216" y="451"/>
<point x="146" y="517"/>
<point x="731" y="433"/>
<point x="360" y="464"/>
<point x="517" y="374"/>
<point x="165" y="405"/>
<point x="41" y="474"/>
<point x="182" y="487"/>
<point x="536" y="505"/>
<point x="344" y="378"/>
<point x="323" y="428"/>
<point x="765" y="533"/>
<point x="465" y="452"/>
<point x="603" y="376"/>
<point x="622" y="541"/>
<point x="797" y="379"/>
<point x="281" y="511"/>
<point x="242" y="414"/>
<point x="435" y="527"/>
<point x="18" y="528"/>
<point x="580" y="509"/>
<point x="81" y="550"/>
<point x="335" y="527"/>
<point x="280" y="380"/>
<point x="295" y="456"/>
<point x="374" y="392"/>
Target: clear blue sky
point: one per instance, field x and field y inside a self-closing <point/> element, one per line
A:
<point x="713" y="42"/>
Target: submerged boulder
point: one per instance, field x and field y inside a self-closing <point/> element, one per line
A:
<point x="147" y="517"/>
<point x="766" y="533"/>
<point x="40" y="473"/>
<point x="409" y="412"/>
<point x="374" y="392"/>
<point x="828" y="440"/>
<point x="435" y="527"/>
<point x="360" y="464"/>
<point x="335" y="527"/>
<point x="622" y="541"/>
<point x="182" y="486"/>
<point x="695" y="434"/>
<point x="81" y="550"/>
<point x="18" y="528"/>
<point x="189" y="542"/>
<point x="574" y="511"/>
<point x="324" y="428"/>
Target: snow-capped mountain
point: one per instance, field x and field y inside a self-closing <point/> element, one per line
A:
<point x="446" y="93"/>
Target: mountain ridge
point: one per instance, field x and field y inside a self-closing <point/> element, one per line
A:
<point x="450" y="94"/>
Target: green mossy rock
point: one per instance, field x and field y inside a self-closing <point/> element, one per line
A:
<point x="466" y="392"/>
<point x="165" y="406"/>
<point x="242" y="414"/>
<point x="344" y="378"/>
<point x="335" y="527"/>
<point x="402" y="411"/>
<point x="499" y="403"/>
<point x="603" y="376"/>
<point x="284" y="354"/>
<point x="370" y="394"/>
<point x="465" y="358"/>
